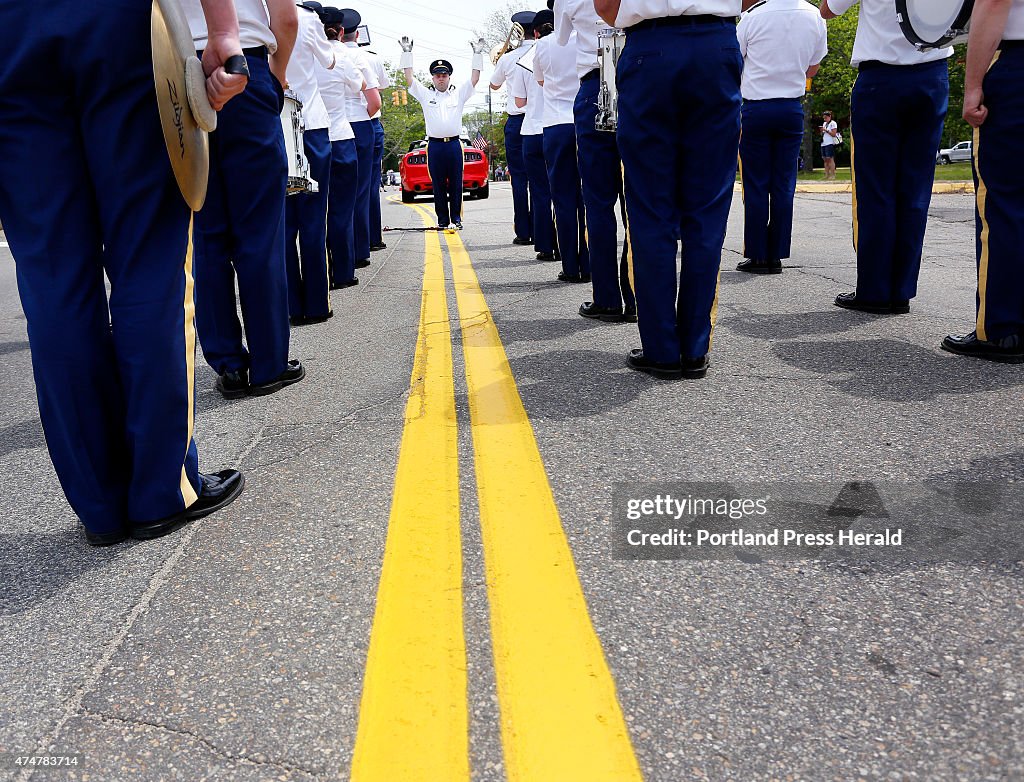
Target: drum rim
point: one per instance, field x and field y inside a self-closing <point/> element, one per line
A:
<point x="914" y="37"/>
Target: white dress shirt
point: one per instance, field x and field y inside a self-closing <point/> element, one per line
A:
<point x="337" y="85"/>
<point x="507" y="67"/>
<point x="556" y="66"/>
<point x="521" y="84"/>
<point x="311" y="48"/>
<point x="780" y="40"/>
<point x="442" y="111"/>
<point x="579" y="16"/>
<point x="253" y="24"/>
<point x="355" y="106"/>
<point x="380" y="72"/>
<point x="880" y="38"/>
<point x="633" y="11"/>
<point x="1014" y="30"/>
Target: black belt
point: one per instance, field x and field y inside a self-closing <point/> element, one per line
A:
<point x="259" y="52"/>
<point x="1004" y="45"/>
<point x="590" y="75"/>
<point x="869" y="65"/>
<point x="444" y="140"/>
<point x="678" y="21"/>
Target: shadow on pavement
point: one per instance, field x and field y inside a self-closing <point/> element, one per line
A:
<point x="6" y="348"/>
<point x="543" y="329"/>
<point x="896" y="371"/>
<point x="20" y="436"/>
<point x="788" y="325"/>
<point x="35" y="568"/>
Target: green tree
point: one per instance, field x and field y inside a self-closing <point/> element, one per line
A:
<point x="403" y="123"/>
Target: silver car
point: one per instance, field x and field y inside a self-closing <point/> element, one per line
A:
<point x="960" y="153"/>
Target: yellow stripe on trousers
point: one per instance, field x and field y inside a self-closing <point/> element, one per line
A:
<point x="413" y="718"/>
<point x="560" y="716"/>
<point x="981" y="199"/>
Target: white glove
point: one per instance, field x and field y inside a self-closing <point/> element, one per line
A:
<point x="478" y="62"/>
<point x="406" y="43"/>
<point x="478" y="46"/>
<point x="405" y="61"/>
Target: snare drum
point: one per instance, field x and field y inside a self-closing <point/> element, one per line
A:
<point x="292" y="127"/>
<point x="609" y="49"/>
<point x="934" y="24"/>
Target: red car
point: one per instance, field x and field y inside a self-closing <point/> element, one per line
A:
<point x="416" y="180"/>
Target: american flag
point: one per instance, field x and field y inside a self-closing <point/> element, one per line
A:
<point x="480" y="142"/>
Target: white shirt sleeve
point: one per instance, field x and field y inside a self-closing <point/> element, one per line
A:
<point x="741" y="33"/>
<point x="563" y="22"/>
<point x="517" y="84"/>
<point x="500" y="73"/>
<point x="322" y="50"/>
<point x="539" y="61"/>
<point x="383" y="80"/>
<point x="351" y="77"/>
<point x="466" y="90"/>
<point x="418" y="91"/>
<point x="840" y="6"/>
<point x="822" y="48"/>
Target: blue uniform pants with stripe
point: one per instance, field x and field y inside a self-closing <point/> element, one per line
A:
<point x="444" y="164"/>
<point x="1000" y="200"/>
<point x="361" y="214"/>
<point x="341" y="250"/>
<point x="376" y="237"/>
<point x="601" y="172"/>
<point x="678" y="147"/>
<point x="896" y="121"/>
<point x="567" y="198"/>
<point x="769" y="150"/>
<point x="240" y="231"/>
<point x="306" y="233"/>
<point x="516" y="165"/>
<point x="540" y="193"/>
<point x="86" y="189"/>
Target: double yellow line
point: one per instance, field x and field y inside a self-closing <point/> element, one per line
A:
<point x="560" y="717"/>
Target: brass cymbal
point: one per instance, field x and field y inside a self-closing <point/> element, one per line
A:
<point x="181" y="96"/>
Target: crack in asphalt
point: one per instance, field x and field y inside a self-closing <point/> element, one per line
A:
<point x="243" y="758"/>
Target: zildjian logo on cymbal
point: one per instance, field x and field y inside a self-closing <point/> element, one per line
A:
<point x="172" y="92"/>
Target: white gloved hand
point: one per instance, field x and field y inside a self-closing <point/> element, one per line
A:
<point x="478" y="46"/>
<point x="478" y="54"/>
<point x="405" y="61"/>
<point x="406" y="43"/>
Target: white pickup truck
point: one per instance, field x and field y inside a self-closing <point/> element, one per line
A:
<point x="956" y="154"/>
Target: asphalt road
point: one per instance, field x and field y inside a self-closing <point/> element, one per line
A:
<point x="236" y="648"/>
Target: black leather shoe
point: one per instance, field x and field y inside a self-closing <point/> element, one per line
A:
<point x="1008" y="350"/>
<point x="375" y="247"/>
<point x="546" y="257"/>
<point x="362" y="264"/>
<point x="629" y="316"/>
<point x="458" y="225"/>
<point x="233" y="385"/>
<point x="563" y="277"/>
<point x="694" y="368"/>
<point x="347" y="284"/>
<point x="219" y="490"/>
<point x="293" y="374"/>
<point x="666" y="371"/>
<point x="606" y="314"/>
<point x="309" y="320"/>
<point x="759" y="267"/>
<point x="105" y="538"/>
<point x="520" y="240"/>
<point x="850" y="301"/>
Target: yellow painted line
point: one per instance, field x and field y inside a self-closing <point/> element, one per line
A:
<point x="413" y="718"/>
<point x="560" y="716"/>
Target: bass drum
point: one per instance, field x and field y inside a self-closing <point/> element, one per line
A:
<point x="934" y="24"/>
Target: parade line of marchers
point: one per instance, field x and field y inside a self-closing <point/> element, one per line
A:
<point x="777" y="537"/>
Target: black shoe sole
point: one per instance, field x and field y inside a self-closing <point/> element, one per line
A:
<point x="179" y="521"/>
<point x="1011" y="358"/>
<point x="274" y="386"/>
<point x="100" y="539"/>
<point x="658" y="372"/>
<point x="237" y="393"/>
<point x="605" y="317"/>
<point x="760" y="270"/>
<point x="875" y="309"/>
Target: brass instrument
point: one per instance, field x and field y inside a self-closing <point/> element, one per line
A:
<point x="512" y="41"/>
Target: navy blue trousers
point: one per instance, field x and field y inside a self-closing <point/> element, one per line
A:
<point x="769" y="150"/>
<point x="240" y="231"/>
<point x="601" y="172"/>
<point x="341" y="250"/>
<point x="306" y="233"/>
<point x="85" y="189"/>
<point x="567" y="198"/>
<point x="1000" y="200"/>
<point x="540" y="193"/>
<point x="365" y="140"/>
<point x="516" y="167"/>
<point x="444" y="164"/>
<point x="897" y="118"/>
<point x="678" y="147"/>
<point x="376" y="237"/>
